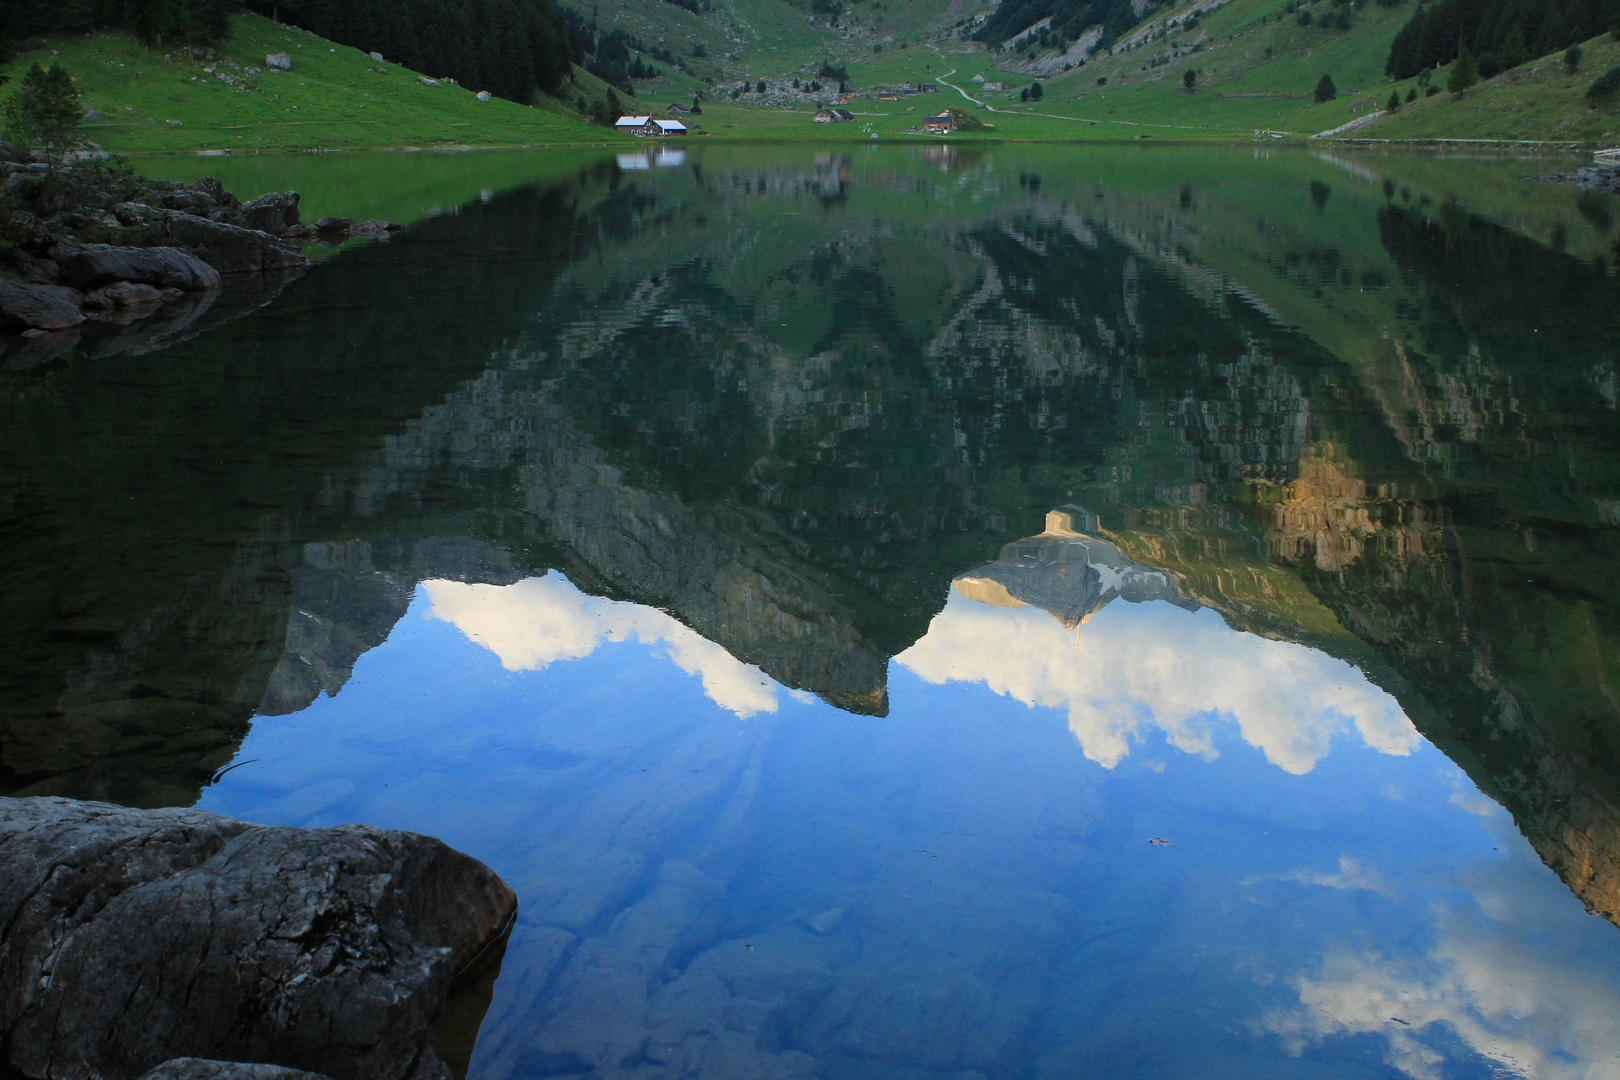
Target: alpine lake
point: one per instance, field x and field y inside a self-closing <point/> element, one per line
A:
<point x="900" y="612"/>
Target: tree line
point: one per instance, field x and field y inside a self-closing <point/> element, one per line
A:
<point x="1070" y="19"/>
<point x="1499" y="34"/>
<point x="512" y="48"/>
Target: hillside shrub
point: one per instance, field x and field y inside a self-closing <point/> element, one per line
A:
<point x="1605" y="88"/>
<point x="1325" y="90"/>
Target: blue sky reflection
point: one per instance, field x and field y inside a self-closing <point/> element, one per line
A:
<point x="722" y="878"/>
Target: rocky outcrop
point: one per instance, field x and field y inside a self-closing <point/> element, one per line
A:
<point x="273" y="213"/>
<point x="229" y="249"/>
<point x="103" y="264"/>
<point x="134" y="936"/>
<point x="1593" y="177"/>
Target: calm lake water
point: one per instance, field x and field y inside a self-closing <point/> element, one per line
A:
<point x="891" y="613"/>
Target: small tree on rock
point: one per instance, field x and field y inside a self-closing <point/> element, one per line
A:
<point x="1463" y="74"/>
<point x="1325" y="90"/>
<point x="45" y="110"/>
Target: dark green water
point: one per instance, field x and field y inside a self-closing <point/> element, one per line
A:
<point x="898" y="614"/>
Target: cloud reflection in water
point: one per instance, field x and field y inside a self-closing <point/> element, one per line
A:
<point x="542" y="620"/>
<point x="1138" y="666"/>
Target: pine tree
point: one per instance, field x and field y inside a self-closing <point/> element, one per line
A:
<point x="1464" y="73"/>
<point x="1325" y="90"/>
<point x="45" y="110"/>
<point x="1190" y="81"/>
<point x="1394" y="104"/>
<point x="1513" y="50"/>
<point x="1036" y="91"/>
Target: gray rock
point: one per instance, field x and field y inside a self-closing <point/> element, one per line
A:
<point x="103" y="264"/>
<point x="229" y="249"/>
<point x="131" y="937"/>
<point x="334" y="224"/>
<point x="484" y="95"/>
<point x="278" y="61"/>
<point x="377" y="56"/>
<point x="373" y="228"/>
<point x="204" y="1069"/>
<point x="38" y="307"/>
<point x="273" y="213"/>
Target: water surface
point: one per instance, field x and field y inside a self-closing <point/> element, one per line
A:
<point x="908" y="613"/>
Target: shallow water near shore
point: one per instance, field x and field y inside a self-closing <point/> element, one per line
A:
<point x="894" y="613"/>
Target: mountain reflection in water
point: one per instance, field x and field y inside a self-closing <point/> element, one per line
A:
<point x="606" y="505"/>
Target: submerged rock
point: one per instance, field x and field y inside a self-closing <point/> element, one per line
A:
<point x="133" y="936"/>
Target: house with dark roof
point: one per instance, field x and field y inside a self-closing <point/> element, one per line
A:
<point x="833" y="116"/>
<point x="938" y="124"/>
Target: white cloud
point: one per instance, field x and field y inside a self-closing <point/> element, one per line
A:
<point x="1153" y="665"/>
<point x="1353" y="874"/>
<point x="542" y="620"/>
<point x="1508" y="1001"/>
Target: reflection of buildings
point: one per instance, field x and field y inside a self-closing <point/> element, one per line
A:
<point x="654" y="156"/>
<point x="1067" y="573"/>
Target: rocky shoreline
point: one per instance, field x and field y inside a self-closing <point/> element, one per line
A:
<point x="132" y="938"/>
<point x="92" y="244"/>
<point x="1593" y="178"/>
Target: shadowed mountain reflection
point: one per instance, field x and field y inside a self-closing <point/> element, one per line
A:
<point x="793" y="402"/>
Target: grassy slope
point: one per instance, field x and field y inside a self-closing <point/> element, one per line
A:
<point x="1243" y="47"/>
<point x="331" y="99"/>
<point x="1537" y="100"/>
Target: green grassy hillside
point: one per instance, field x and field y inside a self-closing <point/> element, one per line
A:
<point x="1541" y="99"/>
<point x="1256" y="66"/>
<point x="143" y="99"/>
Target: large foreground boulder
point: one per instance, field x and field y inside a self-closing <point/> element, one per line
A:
<point x="38" y="307"/>
<point x="131" y="937"/>
<point x="202" y="1069"/>
<point x="102" y="264"/>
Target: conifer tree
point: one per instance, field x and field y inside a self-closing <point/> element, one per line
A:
<point x="1325" y="90"/>
<point x="45" y="110"/>
<point x="1464" y="73"/>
